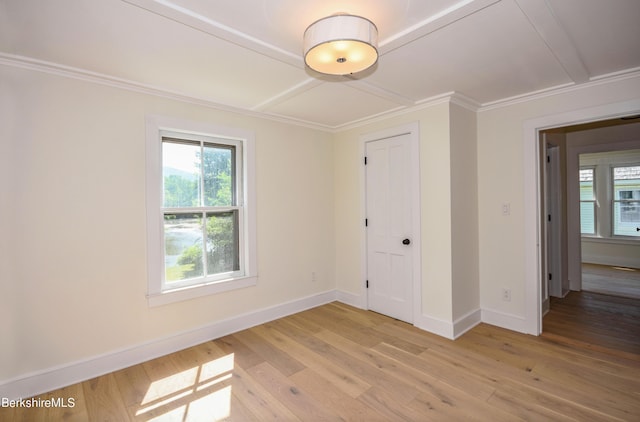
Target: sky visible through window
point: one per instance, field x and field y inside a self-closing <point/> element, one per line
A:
<point x="180" y="157"/>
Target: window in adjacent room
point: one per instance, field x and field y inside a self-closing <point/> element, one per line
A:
<point x="201" y="225"/>
<point x="626" y="200"/>
<point x="587" y="202"/>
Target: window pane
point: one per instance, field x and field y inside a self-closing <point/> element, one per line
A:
<point x="626" y="218"/>
<point x="182" y="246"/>
<point x="218" y="176"/>
<point x="222" y="242"/>
<point x="626" y="206"/>
<point x="587" y="218"/>
<point x="587" y="202"/>
<point x="587" y="192"/>
<point x="181" y="174"/>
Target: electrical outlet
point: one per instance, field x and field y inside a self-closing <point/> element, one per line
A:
<point x="506" y="208"/>
<point x="506" y="295"/>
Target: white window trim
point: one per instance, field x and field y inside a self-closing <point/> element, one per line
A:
<point x="155" y="126"/>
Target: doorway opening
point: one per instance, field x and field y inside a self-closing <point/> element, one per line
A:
<point x="589" y="174"/>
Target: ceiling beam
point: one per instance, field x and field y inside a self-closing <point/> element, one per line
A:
<point x="433" y="23"/>
<point x="546" y="25"/>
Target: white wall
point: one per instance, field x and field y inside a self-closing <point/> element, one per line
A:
<point x="505" y="249"/>
<point x="9" y="292"/>
<point x="73" y="271"/>
<point x="464" y="210"/>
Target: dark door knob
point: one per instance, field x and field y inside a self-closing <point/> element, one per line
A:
<point x="406" y="242"/>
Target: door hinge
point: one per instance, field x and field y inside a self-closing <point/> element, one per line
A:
<point x="367" y="284"/>
<point x="366" y="222"/>
<point x="550" y="276"/>
<point x="548" y="158"/>
<point x="365" y="160"/>
<point x="549" y="217"/>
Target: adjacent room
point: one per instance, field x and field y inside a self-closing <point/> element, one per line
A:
<point x="303" y="210"/>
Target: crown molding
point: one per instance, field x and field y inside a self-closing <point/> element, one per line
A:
<point x="561" y="89"/>
<point x="448" y="97"/>
<point x="120" y="83"/>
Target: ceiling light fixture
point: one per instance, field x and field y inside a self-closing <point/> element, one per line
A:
<point x="341" y="44"/>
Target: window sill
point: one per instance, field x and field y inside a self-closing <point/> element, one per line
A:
<point x="192" y="292"/>
<point x="611" y="240"/>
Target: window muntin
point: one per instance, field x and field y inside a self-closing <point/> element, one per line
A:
<point x="587" y="201"/>
<point x="626" y="200"/>
<point x="201" y="184"/>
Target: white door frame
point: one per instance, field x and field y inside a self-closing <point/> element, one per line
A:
<point x="532" y="191"/>
<point x="553" y="228"/>
<point x="413" y="130"/>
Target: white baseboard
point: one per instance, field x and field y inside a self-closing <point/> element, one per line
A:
<point x="466" y="322"/>
<point x="433" y="325"/>
<point x="40" y="382"/>
<point x="614" y="261"/>
<point x="504" y="320"/>
<point x="436" y="326"/>
<point x="449" y="329"/>
<point x="357" y="301"/>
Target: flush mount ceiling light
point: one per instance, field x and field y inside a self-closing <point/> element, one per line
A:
<point x="341" y="44"/>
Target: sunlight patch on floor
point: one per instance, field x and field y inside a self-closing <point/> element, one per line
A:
<point x="184" y="395"/>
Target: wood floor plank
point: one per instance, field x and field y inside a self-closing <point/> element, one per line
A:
<point x="527" y="409"/>
<point x="341" y="379"/>
<point x="579" y="356"/>
<point x="362" y="360"/>
<point x="257" y="399"/>
<point x="610" y="324"/>
<point x="324" y="391"/>
<point x="103" y="399"/>
<point x="578" y="389"/>
<point x="282" y="360"/>
<point x="297" y="400"/>
<point x="454" y="405"/>
<point x="242" y="354"/>
<point x="133" y="383"/>
<point x="358" y="333"/>
<point x="551" y="401"/>
<point x="455" y="375"/>
<point x="69" y="411"/>
<point x="386" y="404"/>
<point x="623" y="405"/>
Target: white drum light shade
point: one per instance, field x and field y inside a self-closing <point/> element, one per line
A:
<point x="341" y="45"/>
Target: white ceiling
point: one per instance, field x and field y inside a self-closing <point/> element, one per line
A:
<point x="246" y="54"/>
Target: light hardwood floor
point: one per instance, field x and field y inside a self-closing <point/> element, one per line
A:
<point x="336" y="362"/>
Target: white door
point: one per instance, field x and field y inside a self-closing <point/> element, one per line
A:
<point x="390" y="235"/>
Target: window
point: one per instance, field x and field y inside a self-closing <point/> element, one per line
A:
<point x="200" y="201"/>
<point x="587" y="202"/>
<point x="626" y="200"/>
